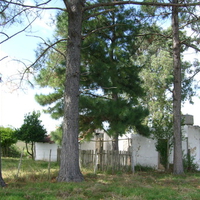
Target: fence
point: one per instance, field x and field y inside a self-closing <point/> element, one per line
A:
<point x="105" y="160"/>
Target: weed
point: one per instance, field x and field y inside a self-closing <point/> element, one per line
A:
<point x="144" y="168"/>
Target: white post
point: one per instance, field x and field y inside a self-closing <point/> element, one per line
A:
<point x="96" y="162"/>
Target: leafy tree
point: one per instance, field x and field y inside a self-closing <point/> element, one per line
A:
<point x="177" y="14"/>
<point x="56" y="135"/>
<point x="157" y="76"/>
<point x="31" y="131"/>
<point x="7" y="139"/>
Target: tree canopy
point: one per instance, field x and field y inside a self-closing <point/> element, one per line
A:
<point x="31" y="131"/>
<point x="110" y="84"/>
<point x="7" y="139"/>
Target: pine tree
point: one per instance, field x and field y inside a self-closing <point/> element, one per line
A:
<point x="110" y="86"/>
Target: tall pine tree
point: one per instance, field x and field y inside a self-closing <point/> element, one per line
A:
<point x="110" y="85"/>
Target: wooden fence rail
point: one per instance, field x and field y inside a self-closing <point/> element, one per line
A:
<point x="105" y="160"/>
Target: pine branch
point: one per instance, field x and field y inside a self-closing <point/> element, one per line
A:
<point x="114" y="3"/>
<point x="27" y="68"/>
<point x="39" y="6"/>
<point x="191" y="45"/>
<point x="99" y="13"/>
<point x="190" y="22"/>
<point x="9" y="37"/>
<point x="51" y="45"/>
<point x="13" y="17"/>
<point x="3" y="58"/>
<point x="98" y="29"/>
<point x="95" y="95"/>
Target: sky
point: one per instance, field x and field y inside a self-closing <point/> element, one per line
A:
<point x="16" y="103"/>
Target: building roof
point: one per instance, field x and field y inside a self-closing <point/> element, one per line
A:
<point x="47" y="139"/>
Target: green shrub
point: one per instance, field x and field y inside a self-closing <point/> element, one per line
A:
<point x="144" y="168"/>
<point x="13" y="151"/>
<point x="188" y="163"/>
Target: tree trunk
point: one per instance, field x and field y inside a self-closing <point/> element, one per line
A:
<point x="2" y="183"/>
<point x="27" y="150"/>
<point x="115" y="142"/>
<point x="178" y="162"/>
<point x="32" y="150"/>
<point x="69" y="166"/>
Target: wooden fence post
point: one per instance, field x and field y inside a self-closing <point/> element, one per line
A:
<point x="20" y="161"/>
<point x="95" y="162"/>
<point x="132" y="156"/>
<point x="49" y="166"/>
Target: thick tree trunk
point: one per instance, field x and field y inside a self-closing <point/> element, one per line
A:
<point x="2" y="183"/>
<point x="69" y="166"/>
<point x="178" y="162"/>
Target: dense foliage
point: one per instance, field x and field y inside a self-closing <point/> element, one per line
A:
<point x="31" y="131"/>
<point x="110" y="84"/>
<point x="8" y="138"/>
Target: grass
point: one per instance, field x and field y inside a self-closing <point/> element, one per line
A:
<point x="33" y="183"/>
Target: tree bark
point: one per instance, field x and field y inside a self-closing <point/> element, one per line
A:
<point x="115" y="142"/>
<point x="178" y="162"/>
<point x="2" y="183"/>
<point x="69" y="166"/>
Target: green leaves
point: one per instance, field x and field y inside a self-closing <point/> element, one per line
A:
<point x="31" y="130"/>
<point x="7" y="136"/>
<point x="109" y="83"/>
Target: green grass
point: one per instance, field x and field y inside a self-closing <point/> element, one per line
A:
<point x="34" y="183"/>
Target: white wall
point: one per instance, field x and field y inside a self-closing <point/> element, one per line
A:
<point x="193" y="133"/>
<point x="125" y="142"/>
<point x="85" y="145"/>
<point x="144" y="151"/>
<point x="42" y="151"/>
<point x="93" y="144"/>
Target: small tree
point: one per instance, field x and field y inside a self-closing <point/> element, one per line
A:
<point x="31" y="131"/>
<point x="7" y="139"/>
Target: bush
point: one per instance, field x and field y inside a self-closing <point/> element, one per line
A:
<point x="14" y="151"/>
<point x="144" y="168"/>
<point x="188" y="163"/>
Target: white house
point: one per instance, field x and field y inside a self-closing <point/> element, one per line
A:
<point x="46" y="150"/>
